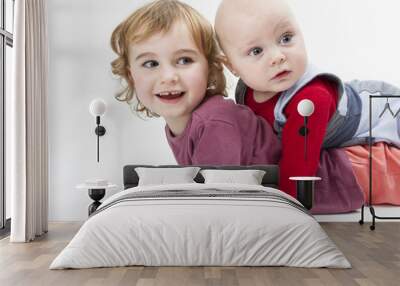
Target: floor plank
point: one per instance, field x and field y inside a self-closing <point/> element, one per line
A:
<point x="374" y="255"/>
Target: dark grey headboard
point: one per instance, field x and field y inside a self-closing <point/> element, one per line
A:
<point x="270" y="179"/>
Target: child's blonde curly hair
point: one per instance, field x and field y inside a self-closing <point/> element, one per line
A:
<point x="159" y="16"/>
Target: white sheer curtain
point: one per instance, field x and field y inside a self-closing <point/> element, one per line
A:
<point x="26" y="129"/>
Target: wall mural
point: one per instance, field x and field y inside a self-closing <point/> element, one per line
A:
<point x="288" y="111"/>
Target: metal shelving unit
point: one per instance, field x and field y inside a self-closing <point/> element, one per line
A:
<point x="371" y="207"/>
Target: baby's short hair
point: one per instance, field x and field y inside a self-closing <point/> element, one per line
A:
<point x="159" y="16"/>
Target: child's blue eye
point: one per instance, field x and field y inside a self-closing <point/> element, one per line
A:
<point x="255" y="51"/>
<point x="285" y="39"/>
<point x="184" y="61"/>
<point x="150" y="64"/>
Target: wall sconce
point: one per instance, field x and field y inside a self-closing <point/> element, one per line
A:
<point x="97" y="108"/>
<point x="305" y="185"/>
<point x="305" y="108"/>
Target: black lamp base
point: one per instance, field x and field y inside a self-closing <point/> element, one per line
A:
<point x="305" y="193"/>
<point x="96" y="195"/>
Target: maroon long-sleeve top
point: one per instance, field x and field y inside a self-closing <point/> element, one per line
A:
<point x="221" y="132"/>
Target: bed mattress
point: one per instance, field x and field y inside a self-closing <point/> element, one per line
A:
<point x="201" y="225"/>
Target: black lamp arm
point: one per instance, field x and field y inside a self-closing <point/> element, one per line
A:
<point x="99" y="131"/>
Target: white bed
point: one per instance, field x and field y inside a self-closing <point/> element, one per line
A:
<point x="183" y="230"/>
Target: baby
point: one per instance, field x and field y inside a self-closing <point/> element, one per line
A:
<point x="168" y="56"/>
<point x="264" y="46"/>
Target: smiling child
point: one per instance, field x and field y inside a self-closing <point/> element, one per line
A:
<point x="168" y="55"/>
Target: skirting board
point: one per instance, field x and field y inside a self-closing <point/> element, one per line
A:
<point x="356" y="216"/>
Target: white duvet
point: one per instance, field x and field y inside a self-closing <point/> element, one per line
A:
<point x="200" y="231"/>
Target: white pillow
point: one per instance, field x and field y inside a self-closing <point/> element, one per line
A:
<point x="163" y="176"/>
<point x="248" y="177"/>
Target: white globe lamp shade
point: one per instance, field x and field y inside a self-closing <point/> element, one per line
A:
<point x="97" y="107"/>
<point x="305" y="107"/>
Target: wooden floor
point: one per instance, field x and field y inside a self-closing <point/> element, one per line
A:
<point x="374" y="255"/>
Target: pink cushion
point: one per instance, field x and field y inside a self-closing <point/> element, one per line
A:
<point x="385" y="171"/>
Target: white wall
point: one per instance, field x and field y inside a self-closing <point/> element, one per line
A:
<point x="354" y="38"/>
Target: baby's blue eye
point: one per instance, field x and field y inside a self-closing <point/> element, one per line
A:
<point x="286" y="39"/>
<point x="150" y="64"/>
<point x="184" y="61"/>
<point x="255" y="51"/>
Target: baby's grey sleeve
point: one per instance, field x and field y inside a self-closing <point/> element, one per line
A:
<point x="240" y="92"/>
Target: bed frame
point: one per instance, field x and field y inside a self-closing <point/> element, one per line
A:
<point x="270" y="178"/>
